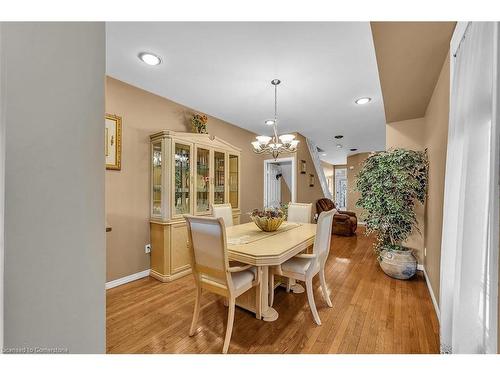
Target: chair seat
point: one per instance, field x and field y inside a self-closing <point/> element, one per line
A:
<point x="240" y="279"/>
<point x="296" y="265"/>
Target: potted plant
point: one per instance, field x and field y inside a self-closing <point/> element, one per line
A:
<point x="390" y="183"/>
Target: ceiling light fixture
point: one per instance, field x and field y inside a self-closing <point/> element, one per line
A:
<point x="339" y="137"/>
<point x="323" y="154"/>
<point x="275" y="145"/>
<point x="339" y="145"/>
<point x="149" y="58"/>
<point x="363" y="100"/>
<point x="353" y="149"/>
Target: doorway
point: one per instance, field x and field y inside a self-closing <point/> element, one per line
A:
<point x="341" y="188"/>
<point x="279" y="182"/>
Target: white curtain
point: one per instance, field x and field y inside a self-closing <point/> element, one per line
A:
<point x="469" y="255"/>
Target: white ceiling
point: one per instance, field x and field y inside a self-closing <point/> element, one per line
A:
<point x="225" y="69"/>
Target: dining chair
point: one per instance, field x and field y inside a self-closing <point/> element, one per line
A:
<point x="299" y="212"/>
<point x="212" y="272"/>
<point x="224" y="211"/>
<point x="305" y="266"/>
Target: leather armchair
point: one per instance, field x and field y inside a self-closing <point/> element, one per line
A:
<point x="344" y="222"/>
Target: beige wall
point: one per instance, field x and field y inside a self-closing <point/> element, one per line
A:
<point x="436" y="134"/>
<point x="410" y="134"/>
<point x="355" y="161"/>
<point x="429" y="132"/>
<point x="286" y="194"/>
<point x="127" y="191"/>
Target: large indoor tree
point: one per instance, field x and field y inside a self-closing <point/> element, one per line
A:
<point x="390" y="183"/>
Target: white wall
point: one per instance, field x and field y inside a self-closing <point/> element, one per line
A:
<point x="286" y="171"/>
<point x="2" y="188"/>
<point x="54" y="186"/>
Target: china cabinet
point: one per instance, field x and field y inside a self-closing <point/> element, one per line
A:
<point x="189" y="173"/>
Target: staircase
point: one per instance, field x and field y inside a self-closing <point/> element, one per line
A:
<point x="313" y="150"/>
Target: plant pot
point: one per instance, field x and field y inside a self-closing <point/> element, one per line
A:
<point x="398" y="264"/>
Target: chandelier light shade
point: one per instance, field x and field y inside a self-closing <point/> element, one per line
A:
<point x="275" y="145"/>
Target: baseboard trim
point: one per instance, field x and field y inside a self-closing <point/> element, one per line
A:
<point x="420" y="267"/>
<point x="127" y="279"/>
<point x="167" y="278"/>
<point x="433" y="297"/>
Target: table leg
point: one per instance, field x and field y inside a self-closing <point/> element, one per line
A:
<point x="268" y="313"/>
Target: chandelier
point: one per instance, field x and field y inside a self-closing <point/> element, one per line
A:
<point x="275" y="145"/>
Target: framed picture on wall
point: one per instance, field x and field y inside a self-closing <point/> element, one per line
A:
<point x="303" y="167"/>
<point x="311" y="180"/>
<point x="113" y="142"/>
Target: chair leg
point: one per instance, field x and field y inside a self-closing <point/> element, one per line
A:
<point x="196" y="312"/>
<point x="324" y="289"/>
<point x="271" y="289"/>
<point x="310" y="298"/>
<point x="289" y="284"/>
<point x="230" y="321"/>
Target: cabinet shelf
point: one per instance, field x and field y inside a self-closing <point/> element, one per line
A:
<point x="189" y="173"/>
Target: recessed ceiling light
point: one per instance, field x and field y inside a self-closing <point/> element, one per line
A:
<point x="339" y="137"/>
<point x="269" y="122"/>
<point x="363" y="100"/>
<point x="353" y="149"/>
<point x="323" y="154"/>
<point x="150" y="58"/>
<point x="339" y="145"/>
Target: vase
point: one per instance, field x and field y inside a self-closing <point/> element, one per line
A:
<point x="268" y="224"/>
<point x="399" y="264"/>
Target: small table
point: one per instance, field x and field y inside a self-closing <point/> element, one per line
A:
<point x="248" y="244"/>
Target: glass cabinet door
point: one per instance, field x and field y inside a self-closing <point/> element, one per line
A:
<point x="219" y="177"/>
<point x="182" y="156"/>
<point x="233" y="180"/>
<point x="202" y="176"/>
<point x="156" y="179"/>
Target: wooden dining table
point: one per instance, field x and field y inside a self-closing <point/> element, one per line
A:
<point x="248" y="244"/>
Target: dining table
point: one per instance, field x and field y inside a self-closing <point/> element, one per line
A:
<point x="248" y="244"/>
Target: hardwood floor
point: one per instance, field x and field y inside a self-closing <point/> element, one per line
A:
<point x="371" y="313"/>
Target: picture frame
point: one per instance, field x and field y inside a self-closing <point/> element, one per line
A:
<point x="113" y="142"/>
<point x="311" y="180"/>
<point x="303" y="167"/>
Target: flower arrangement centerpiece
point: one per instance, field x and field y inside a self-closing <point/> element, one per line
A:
<point x="199" y="123"/>
<point x="269" y="219"/>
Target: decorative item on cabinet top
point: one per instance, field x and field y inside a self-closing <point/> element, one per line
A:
<point x="113" y="141"/>
<point x="189" y="173"/>
<point x="199" y="123"/>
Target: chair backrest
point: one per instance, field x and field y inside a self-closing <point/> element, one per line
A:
<point x="208" y="246"/>
<point x="299" y="212"/>
<point x="323" y="235"/>
<point x="224" y="211"/>
<point x="324" y="204"/>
